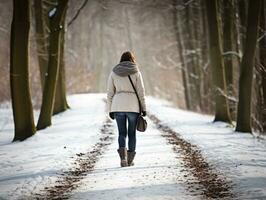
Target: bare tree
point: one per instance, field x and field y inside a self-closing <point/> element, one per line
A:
<point x="207" y="102"/>
<point x="228" y="23"/>
<point x="246" y="68"/>
<point x="60" y="103"/>
<point x="242" y="11"/>
<point x="180" y="42"/>
<point x="190" y="55"/>
<point x="56" y="24"/>
<point x="43" y="28"/>
<point x="19" y="77"/>
<point x="263" y="68"/>
<point x="42" y="36"/>
<point x="218" y="73"/>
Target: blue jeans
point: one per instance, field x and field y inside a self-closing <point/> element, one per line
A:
<point x="121" y="120"/>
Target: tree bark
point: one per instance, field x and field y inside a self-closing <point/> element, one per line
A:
<point x="19" y="78"/>
<point x="191" y="58"/>
<point x="246" y="69"/>
<point x="227" y="41"/>
<point x="196" y="26"/>
<point x="263" y="67"/>
<point x="60" y="103"/>
<point x="42" y="38"/>
<point x="228" y="19"/>
<point x="242" y="9"/>
<point x="178" y="32"/>
<point x="56" y="24"/>
<point x="218" y="74"/>
<point x="207" y="100"/>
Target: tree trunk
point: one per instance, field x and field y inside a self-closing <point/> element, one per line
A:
<point x="19" y="78"/>
<point x="242" y="9"/>
<point x="56" y="24"/>
<point x="263" y="67"/>
<point x="227" y="41"/>
<point x="178" y="32"/>
<point x="207" y="100"/>
<point x="218" y="74"/>
<point x="60" y="103"/>
<point x="42" y="38"/>
<point x="228" y="19"/>
<point x="196" y="26"/>
<point x="190" y="57"/>
<point x="246" y="69"/>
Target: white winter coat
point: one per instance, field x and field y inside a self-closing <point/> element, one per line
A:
<point x="120" y="93"/>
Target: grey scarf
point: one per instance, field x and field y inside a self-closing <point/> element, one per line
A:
<point x="125" y="68"/>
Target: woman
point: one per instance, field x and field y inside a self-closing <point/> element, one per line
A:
<point x="123" y="104"/>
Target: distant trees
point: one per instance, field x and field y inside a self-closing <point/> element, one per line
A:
<point x="211" y="36"/>
<point x="19" y="78"/>
<point x="214" y="40"/>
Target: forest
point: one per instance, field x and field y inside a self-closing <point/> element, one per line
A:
<point x="205" y="56"/>
<point x="203" y="64"/>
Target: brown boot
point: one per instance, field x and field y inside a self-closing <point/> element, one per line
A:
<point x="123" y="156"/>
<point x="131" y="156"/>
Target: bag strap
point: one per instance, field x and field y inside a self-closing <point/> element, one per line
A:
<point x="140" y="108"/>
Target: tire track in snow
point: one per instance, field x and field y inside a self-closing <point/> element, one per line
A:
<point x="83" y="164"/>
<point x="205" y="178"/>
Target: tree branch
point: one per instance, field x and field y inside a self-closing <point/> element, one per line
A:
<point x="2" y="29"/>
<point x="231" y="53"/>
<point x="77" y="13"/>
<point x="261" y="37"/>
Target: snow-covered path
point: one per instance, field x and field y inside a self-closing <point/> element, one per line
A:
<point x="184" y="156"/>
<point x="156" y="174"/>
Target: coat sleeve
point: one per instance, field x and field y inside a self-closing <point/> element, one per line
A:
<point x="141" y="91"/>
<point x="110" y="92"/>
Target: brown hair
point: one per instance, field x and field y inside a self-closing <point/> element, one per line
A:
<point x="127" y="56"/>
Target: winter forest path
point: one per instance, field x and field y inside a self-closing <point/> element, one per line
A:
<point x="182" y="155"/>
<point x="166" y="167"/>
<point x="156" y="174"/>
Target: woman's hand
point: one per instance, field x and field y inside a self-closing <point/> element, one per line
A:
<point x="111" y="115"/>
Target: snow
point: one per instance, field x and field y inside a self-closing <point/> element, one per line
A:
<point x="52" y="12"/>
<point x="26" y="166"/>
<point x="29" y="166"/>
<point x="241" y="156"/>
<point x="154" y="176"/>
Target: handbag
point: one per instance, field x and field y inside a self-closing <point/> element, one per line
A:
<point x="141" y="121"/>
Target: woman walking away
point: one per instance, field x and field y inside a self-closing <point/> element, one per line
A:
<point x="123" y="104"/>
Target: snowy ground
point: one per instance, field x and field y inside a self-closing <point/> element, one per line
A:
<point x="155" y="175"/>
<point x="27" y="167"/>
<point x="241" y="156"/>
